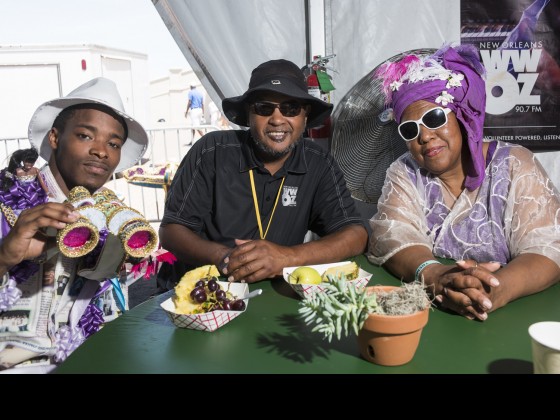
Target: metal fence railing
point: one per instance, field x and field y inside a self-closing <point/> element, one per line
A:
<point x="166" y="145"/>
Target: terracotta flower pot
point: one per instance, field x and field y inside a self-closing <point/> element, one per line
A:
<point x="391" y="340"/>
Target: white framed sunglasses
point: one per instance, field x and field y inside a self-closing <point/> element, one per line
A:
<point x="432" y="119"/>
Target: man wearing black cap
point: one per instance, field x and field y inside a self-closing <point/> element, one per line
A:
<point x="244" y="200"/>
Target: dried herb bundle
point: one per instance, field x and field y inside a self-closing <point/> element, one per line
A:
<point x="409" y="298"/>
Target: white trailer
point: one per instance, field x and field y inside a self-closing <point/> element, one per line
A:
<point x="33" y="74"/>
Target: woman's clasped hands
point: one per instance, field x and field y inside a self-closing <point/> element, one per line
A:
<point x="469" y="288"/>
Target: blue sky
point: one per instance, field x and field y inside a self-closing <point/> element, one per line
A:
<point x="133" y="25"/>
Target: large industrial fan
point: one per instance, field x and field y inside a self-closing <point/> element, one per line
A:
<point x="364" y="138"/>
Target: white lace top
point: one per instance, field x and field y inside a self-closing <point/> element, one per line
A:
<point x="516" y="210"/>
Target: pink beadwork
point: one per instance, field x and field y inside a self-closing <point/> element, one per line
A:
<point x="77" y="237"/>
<point x="139" y="239"/>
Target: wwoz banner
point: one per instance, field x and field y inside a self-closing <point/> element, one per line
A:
<point x="519" y="43"/>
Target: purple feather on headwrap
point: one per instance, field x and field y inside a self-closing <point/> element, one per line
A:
<point x="430" y="82"/>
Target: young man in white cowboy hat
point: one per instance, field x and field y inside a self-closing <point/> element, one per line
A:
<point x="244" y="200"/>
<point x="85" y="137"/>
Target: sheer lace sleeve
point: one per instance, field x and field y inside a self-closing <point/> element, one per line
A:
<point x="515" y="211"/>
<point x="534" y="208"/>
<point x="399" y="221"/>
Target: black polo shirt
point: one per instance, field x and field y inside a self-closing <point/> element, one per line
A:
<point x="211" y="192"/>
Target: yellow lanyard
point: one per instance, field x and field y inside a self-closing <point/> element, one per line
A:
<point x="256" y="202"/>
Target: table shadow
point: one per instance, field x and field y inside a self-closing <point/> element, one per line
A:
<point x="280" y="286"/>
<point x="159" y="316"/>
<point x="300" y="344"/>
<point x="440" y="308"/>
<point x="511" y="366"/>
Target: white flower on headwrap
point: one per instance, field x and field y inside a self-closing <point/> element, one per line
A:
<point x="395" y="85"/>
<point x="454" y="80"/>
<point x="445" y="98"/>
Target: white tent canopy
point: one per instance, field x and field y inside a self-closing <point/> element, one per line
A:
<point x="223" y="40"/>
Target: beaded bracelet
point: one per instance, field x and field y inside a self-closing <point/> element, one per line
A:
<point x="422" y="266"/>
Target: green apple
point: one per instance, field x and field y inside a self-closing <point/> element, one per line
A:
<point x="305" y="275"/>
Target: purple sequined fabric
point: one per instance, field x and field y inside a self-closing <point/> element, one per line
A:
<point x="20" y="196"/>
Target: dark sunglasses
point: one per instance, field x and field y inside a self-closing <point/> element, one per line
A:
<point x="288" y="108"/>
<point x="432" y="119"/>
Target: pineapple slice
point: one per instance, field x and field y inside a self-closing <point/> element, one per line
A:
<point x="182" y="299"/>
<point x="349" y="270"/>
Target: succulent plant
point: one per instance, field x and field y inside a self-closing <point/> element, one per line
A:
<point x="341" y="308"/>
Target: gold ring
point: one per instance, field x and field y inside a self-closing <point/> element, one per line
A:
<point x="475" y="264"/>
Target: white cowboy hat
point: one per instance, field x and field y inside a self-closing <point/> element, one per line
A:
<point x="97" y="91"/>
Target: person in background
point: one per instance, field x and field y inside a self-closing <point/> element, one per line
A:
<point x="85" y="137"/>
<point x="243" y="200"/>
<point x="195" y="109"/>
<point x="488" y="205"/>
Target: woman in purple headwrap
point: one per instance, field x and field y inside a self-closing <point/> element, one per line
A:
<point x="488" y="205"/>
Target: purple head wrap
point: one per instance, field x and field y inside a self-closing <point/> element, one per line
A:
<point x="451" y="77"/>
